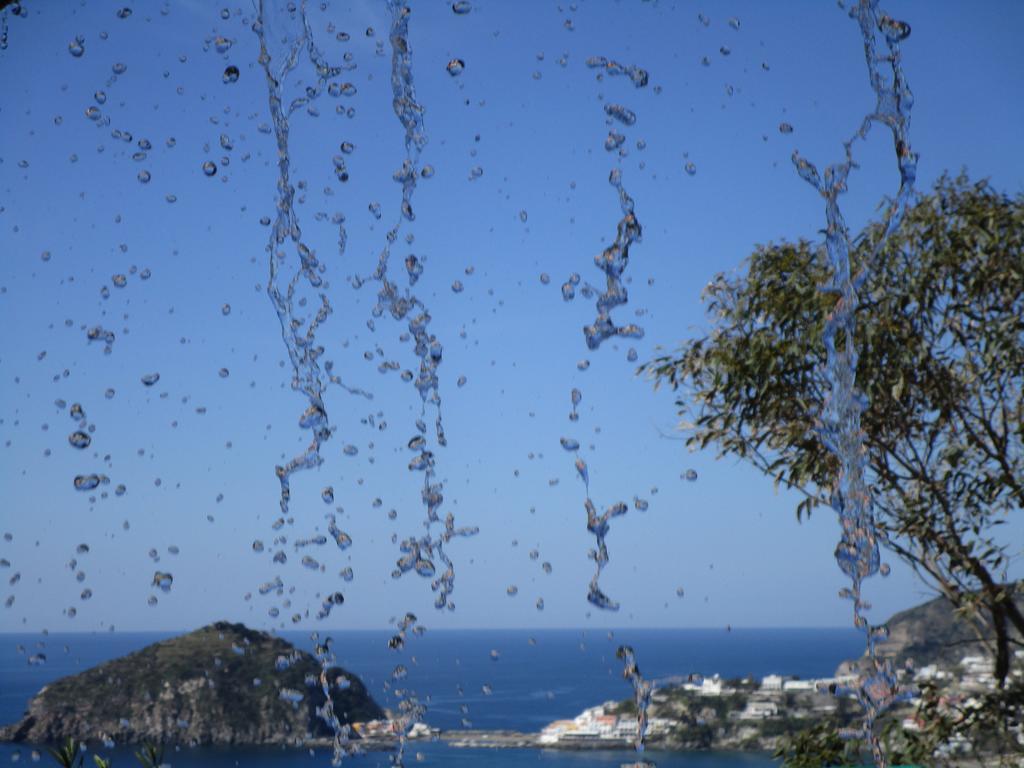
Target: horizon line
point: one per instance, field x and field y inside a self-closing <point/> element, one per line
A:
<point x="277" y="630"/>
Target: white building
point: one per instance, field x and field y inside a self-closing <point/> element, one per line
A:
<point x="800" y="685"/>
<point x="772" y="682"/>
<point x="711" y="686"/>
<point x="554" y="731"/>
<point x="759" y="710"/>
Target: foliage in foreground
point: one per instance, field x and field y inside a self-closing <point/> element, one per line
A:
<point x="68" y="755"/>
<point x="991" y="723"/>
<point x="940" y="337"/>
<point x="71" y="754"/>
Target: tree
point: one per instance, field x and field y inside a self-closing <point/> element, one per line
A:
<point x="940" y="336"/>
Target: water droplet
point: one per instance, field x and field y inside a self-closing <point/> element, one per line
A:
<point x="77" y="47"/>
<point x="512" y="590"/>
<point x="163" y="581"/>
<point x="455" y="67"/>
<point x="93" y="113"/>
<point x="457" y="286"/>
<point x="462" y="7"/>
<point x="569" y="444"/>
<point x="144" y="177"/>
<point x="124" y="13"/>
<point x="150" y="379"/>
<point x="893" y="29"/>
<point x="223" y="44"/>
<point x="86" y="482"/>
<point x="231" y="74"/>
<point x="80" y="440"/>
<point x="734" y="23"/>
<point x="690" y="168"/>
<point x="209" y="168"/>
<point x="691" y="475"/>
<point x="620" y="113"/>
<point x="785" y="128"/>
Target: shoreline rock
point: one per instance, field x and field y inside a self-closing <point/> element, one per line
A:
<point x="224" y="684"/>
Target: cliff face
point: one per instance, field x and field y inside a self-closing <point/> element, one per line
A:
<point x="222" y="684"/>
<point x="933" y="633"/>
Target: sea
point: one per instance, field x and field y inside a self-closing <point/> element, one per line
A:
<point x="530" y="677"/>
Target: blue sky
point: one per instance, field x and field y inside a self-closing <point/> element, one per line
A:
<point x="69" y="186"/>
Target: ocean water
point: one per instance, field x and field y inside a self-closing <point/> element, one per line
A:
<point x="537" y="677"/>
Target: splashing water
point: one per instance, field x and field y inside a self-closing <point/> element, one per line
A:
<point x="418" y="552"/>
<point x="325" y="656"/>
<point x="284" y="34"/>
<point x="839" y="423"/>
<point x="411" y="709"/>
<point x="642" y="692"/>
<point x="612" y="261"/>
<point x="636" y="74"/>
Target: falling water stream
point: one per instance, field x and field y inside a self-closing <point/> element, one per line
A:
<point x="285" y="35"/>
<point x="612" y="261"/>
<point x="839" y="423"/>
<point x="297" y="289"/>
<point x="642" y="692"/>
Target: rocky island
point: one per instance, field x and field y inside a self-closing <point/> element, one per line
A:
<point x="223" y="684"/>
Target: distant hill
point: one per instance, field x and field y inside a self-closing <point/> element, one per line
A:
<point x="932" y="633"/>
<point x="222" y="684"/>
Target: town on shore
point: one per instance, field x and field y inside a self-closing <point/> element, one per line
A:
<point x="710" y="712"/>
<point x="738" y="714"/>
